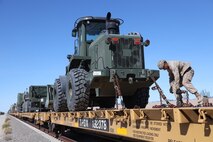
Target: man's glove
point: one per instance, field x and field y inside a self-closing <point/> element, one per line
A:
<point x="178" y="91"/>
<point x="171" y="90"/>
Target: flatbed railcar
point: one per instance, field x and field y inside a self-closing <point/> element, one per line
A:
<point x="158" y="125"/>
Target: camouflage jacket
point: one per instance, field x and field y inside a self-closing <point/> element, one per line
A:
<point x="176" y="71"/>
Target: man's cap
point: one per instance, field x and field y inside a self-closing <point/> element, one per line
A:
<point x="161" y="64"/>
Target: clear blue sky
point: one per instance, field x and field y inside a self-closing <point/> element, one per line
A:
<point x="35" y="38"/>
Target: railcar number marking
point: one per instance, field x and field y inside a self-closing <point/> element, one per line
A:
<point x="84" y="123"/>
<point x="98" y="124"/>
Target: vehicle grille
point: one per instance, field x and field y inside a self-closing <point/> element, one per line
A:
<point x="126" y="54"/>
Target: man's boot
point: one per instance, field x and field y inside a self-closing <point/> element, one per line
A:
<point x="179" y="100"/>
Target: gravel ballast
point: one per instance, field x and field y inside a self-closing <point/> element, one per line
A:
<point x="22" y="132"/>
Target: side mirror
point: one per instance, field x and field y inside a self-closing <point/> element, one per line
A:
<point x="69" y="56"/>
<point x="146" y="43"/>
<point x="74" y="32"/>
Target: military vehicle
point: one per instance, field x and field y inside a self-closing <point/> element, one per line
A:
<point x="27" y="103"/>
<point x="20" y="101"/>
<point x="37" y="95"/>
<point x="49" y="98"/>
<point x="39" y="98"/>
<point x="13" y="108"/>
<point x="107" y="68"/>
<point x="35" y="99"/>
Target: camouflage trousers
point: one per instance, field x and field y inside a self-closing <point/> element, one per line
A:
<point x="186" y="81"/>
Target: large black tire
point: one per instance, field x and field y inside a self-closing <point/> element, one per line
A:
<point x="139" y="99"/>
<point x="77" y="90"/>
<point x="59" y="94"/>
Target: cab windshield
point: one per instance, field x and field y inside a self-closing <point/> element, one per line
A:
<point x="93" y="30"/>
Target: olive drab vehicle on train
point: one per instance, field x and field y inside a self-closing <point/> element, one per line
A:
<point x="107" y="68"/>
<point x="20" y="101"/>
<point x="35" y="99"/>
<point x="38" y="98"/>
<point x="27" y="103"/>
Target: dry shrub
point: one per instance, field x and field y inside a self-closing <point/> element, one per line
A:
<point x="6" y="125"/>
<point x="7" y="131"/>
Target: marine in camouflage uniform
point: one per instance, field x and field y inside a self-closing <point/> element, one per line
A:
<point x="180" y="74"/>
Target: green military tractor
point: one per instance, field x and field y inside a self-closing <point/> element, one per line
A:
<point x="13" y="108"/>
<point x="26" y="105"/>
<point x="106" y="70"/>
<point x="39" y="98"/>
<point x="20" y="101"/>
<point x="35" y="99"/>
<point x="37" y="95"/>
